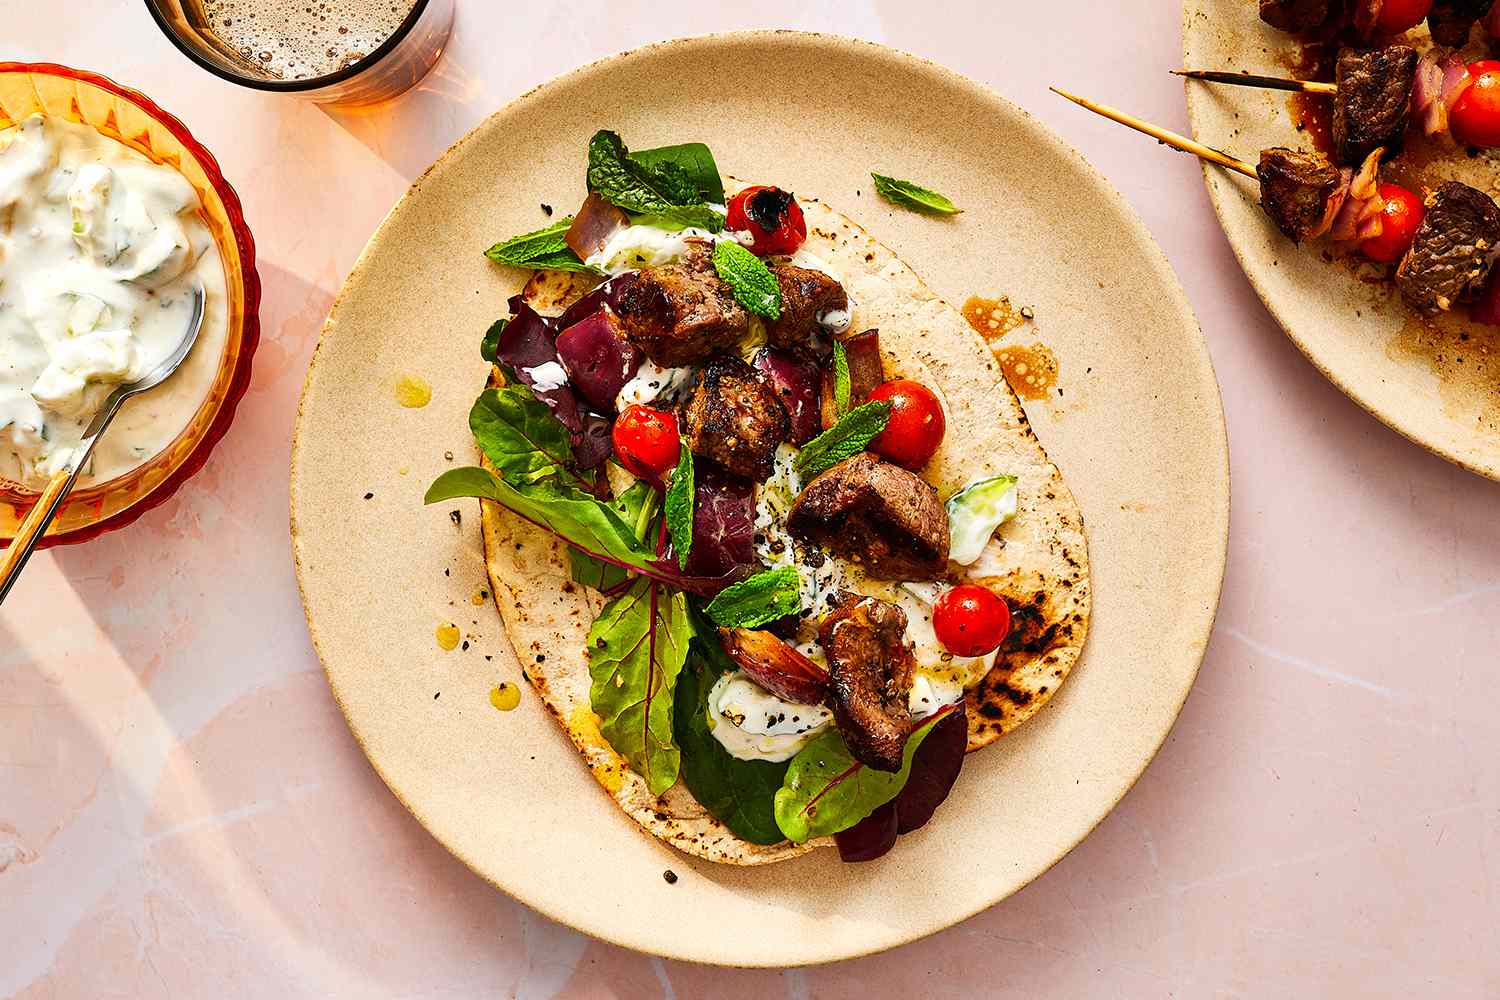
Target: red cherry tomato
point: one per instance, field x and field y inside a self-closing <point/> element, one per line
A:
<point x="1397" y="16"/>
<point x="1403" y="214"/>
<point x="770" y="215"/>
<point x="916" y="426"/>
<point x="970" y="620"/>
<point x="1475" y="116"/>
<point x="646" y="442"/>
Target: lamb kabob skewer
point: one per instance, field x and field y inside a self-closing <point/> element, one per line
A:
<point x="1446" y="246"/>
<point x="1374" y="95"/>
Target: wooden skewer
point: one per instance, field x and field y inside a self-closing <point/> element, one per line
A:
<point x="1172" y="139"/>
<point x="1265" y="82"/>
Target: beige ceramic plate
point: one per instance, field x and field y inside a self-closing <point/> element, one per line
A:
<point x="1134" y="423"/>
<point x="1436" y="383"/>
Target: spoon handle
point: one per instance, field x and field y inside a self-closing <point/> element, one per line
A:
<point x="13" y="559"/>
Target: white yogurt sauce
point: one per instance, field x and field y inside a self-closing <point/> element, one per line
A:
<point x="99" y="252"/>
<point x="753" y="724"/>
<point x="652" y="383"/>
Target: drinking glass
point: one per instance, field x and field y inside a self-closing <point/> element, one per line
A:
<point x="392" y="68"/>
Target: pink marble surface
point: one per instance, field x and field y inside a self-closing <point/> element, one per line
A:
<point x="183" y="813"/>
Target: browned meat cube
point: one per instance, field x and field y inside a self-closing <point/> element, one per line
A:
<point x="1296" y="189"/>
<point x="806" y="294"/>
<point x="1373" y="102"/>
<point x="870" y="671"/>
<point x="876" y="514"/>
<point x="735" y="420"/>
<point x="1300" y="17"/>
<point x="1453" y="250"/>
<point x="683" y="313"/>
<point x="1451" y="21"/>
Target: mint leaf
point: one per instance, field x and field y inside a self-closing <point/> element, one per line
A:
<point x="845" y="439"/>
<point x="827" y="790"/>
<point x="913" y="196"/>
<point x="753" y="283"/>
<point x="741" y="794"/>
<point x="634" y="507"/>
<point x="761" y="599"/>
<point x="678" y="507"/>
<point x="659" y="186"/>
<point x="636" y="649"/>
<point x="840" y="380"/>
<point x="695" y="160"/>
<point x="544" y="250"/>
<point x="519" y="435"/>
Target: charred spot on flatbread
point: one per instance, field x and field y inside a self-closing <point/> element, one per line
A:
<point x="1047" y="629"/>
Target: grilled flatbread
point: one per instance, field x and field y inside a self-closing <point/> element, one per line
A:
<point x="1038" y="560"/>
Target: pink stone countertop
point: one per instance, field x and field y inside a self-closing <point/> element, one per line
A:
<point x="184" y="813"/>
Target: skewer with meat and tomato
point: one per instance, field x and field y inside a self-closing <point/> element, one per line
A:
<point x="1444" y="245"/>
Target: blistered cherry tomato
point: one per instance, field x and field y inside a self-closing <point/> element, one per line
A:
<point x="916" y="426"/>
<point x="971" y="620"/>
<point x="1397" y="16"/>
<point x="771" y="216"/>
<point x="1403" y="214"/>
<point x="646" y="442"/>
<point x="1475" y="116"/>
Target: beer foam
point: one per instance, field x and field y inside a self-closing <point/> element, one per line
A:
<point x="302" y="39"/>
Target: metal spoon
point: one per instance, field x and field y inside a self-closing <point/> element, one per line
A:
<point x="13" y="559"/>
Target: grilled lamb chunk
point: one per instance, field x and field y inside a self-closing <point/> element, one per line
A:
<point x="1300" y="17"/>
<point x="1453" y="250"/>
<point x="1374" y="101"/>
<point x="876" y="514"/>
<point x="735" y="420"/>
<point x="1295" y="190"/>
<point x="805" y="294"/>
<point x="683" y="313"/>
<point x="1451" y="21"/>
<point x="870" y="672"/>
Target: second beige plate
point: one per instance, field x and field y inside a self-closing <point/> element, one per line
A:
<point x="1133" y="421"/>
<point x="1436" y="383"/>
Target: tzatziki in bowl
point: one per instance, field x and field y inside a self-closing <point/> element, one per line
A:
<point x="110" y="216"/>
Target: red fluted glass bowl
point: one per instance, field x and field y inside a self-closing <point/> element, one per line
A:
<point x="134" y="119"/>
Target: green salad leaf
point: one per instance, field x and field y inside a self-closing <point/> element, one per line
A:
<point x="827" y="790"/>
<point x="636" y="649"/>
<point x="845" y="439"/>
<point x="753" y="283"/>
<point x="635" y="507"/>
<point x="695" y="160"/>
<point x="544" y="249"/>
<point x="661" y="186"/>
<point x="519" y="435"/>
<point x="566" y="511"/>
<point x="741" y="794"/>
<point x="913" y="196"/>
<point x="678" y="506"/>
<point x="489" y="347"/>
<point x="760" y="599"/>
<point x="841" y="384"/>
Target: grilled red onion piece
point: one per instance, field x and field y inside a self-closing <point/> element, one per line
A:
<point x="594" y="224"/>
<point x="866" y="369"/>
<point x="723" y="524"/>
<point x="796" y="383"/>
<point x="598" y="358"/>
<point x="1361" y="216"/>
<point x="775" y="666"/>
<point x="1442" y="77"/>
